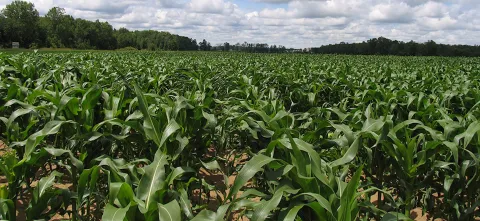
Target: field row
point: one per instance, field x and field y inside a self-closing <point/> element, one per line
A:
<point x="223" y="136"/>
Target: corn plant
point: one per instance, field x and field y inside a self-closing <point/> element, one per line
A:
<point x="224" y="136"/>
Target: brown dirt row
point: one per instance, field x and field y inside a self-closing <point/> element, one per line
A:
<point x="214" y="178"/>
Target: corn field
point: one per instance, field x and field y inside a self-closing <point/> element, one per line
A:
<point x="229" y="136"/>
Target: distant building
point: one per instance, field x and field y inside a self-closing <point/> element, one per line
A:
<point x="15" y="45"/>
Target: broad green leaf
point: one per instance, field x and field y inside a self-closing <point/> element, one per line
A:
<point x="404" y="124"/>
<point x="454" y="148"/>
<point x="266" y="207"/>
<point x="314" y="157"/>
<point x="59" y="152"/>
<point x="112" y="213"/>
<point x="371" y="125"/>
<point x="169" y="212"/>
<point x="90" y="98"/>
<point x="86" y="179"/>
<point x="33" y="140"/>
<point x="348" y="201"/>
<point x="349" y="155"/>
<point x="17" y="113"/>
<point x="212" y="165"/>
<point x="300" y="162"/>
<point x="393" y="216"/>
<point x="253" y="166"/>
<point x="346" y="130"/>
<point x="292" y="213"/>
<point x="177" y="172"/>
<point x="121" y="194"/>
<point x="169" y="130"/>
<point x="324" y="203"/>
<point x="185" y="203"/>
<point x="151" y="126"/>
<point x="7" y="209"/>
<point x="153" y="179"/>
<point x="205" y="215"/>
<point x="211" y="120"/>
<point x="468" y="135"/>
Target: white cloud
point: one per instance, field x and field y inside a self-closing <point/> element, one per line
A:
<point x="293" y="23"/>
<point x="431" y="9"/>
<point x="278" y="13"/>
<point x="171" y="3"/>
<point x="144" y="15"/>
<point x="391" y="13"/>
<point x="444" y="23"/>
<point x="321" y="9"/>
<point x="211" y="6"/>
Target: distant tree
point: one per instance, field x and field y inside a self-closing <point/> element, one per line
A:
<point x="394" y="48"/>
<point x="203" y="45"/>
<point x="193" y="45"/>
<point x="21" y="20"/>
<point x="411" y="48"/>
<point x="124" y="38"/>
<point x="60" y="28"/>
<point x="431" y="48"/>
<point x="386" y="46"/>
<point x="3" y="36"/>
<point x="104" y="36"/>
<point x="83" y="31"/>
<point x="226" y="46"/>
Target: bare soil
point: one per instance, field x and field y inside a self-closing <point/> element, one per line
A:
<point x="214" y="198"/>
<point x="416" y="214"/>
<point x="217" y="179"/>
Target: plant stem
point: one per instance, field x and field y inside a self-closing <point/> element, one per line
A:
<point x="408" y="203"/>
<point x="74" y="202"/>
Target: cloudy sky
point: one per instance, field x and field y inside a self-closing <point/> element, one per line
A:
<point x="293" y="23"/>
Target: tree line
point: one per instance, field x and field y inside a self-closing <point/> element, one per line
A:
<point x="385" y="46"/>
<point x="251" y="47"/>
<point x="21" y="22"/>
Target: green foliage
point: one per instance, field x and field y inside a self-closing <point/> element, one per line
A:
<point x="129" y="48"/>
<point x="385" y="46"/>
<point x="20" y="22"/>
<point x="209" y="136"/>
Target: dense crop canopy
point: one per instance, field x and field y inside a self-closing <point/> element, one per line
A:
<point x="212" y="136"/>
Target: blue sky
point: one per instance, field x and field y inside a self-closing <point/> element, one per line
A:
<point x="292" y="23"/>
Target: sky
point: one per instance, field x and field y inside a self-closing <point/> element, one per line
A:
<point x="292" y="23"/>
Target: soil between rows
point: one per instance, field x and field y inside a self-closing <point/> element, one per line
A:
<point x="213" y="178"/>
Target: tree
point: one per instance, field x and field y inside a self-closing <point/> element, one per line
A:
<point x="3" y="37"/>
<point x="60" y="28"/>
<point x="124" y="38"/>
<point x="205" y="45"/>
<point x="431" y="48"/>
<point x="83" y="30"/>
<point x="104" y="38"/>
<point x="226" y="46"/>
<point x="193" y="45"/>
<point x="21" y="22"/>
<point x="209" y="46"/>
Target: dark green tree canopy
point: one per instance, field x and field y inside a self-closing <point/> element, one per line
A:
<point x="385" y="46"/>
<point x="20" y="23"/>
